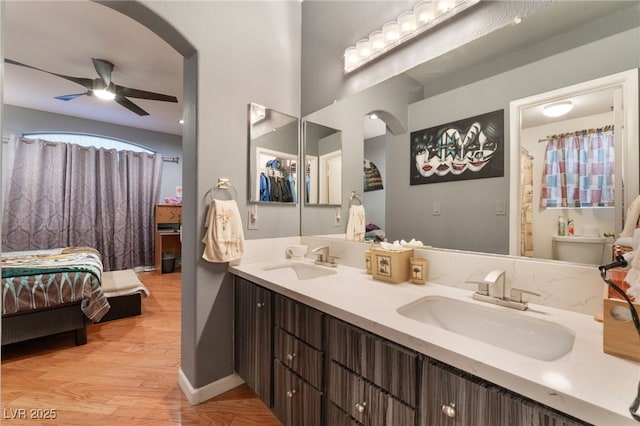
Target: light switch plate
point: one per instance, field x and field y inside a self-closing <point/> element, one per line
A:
<point x="500" y="208"/>
<point x="252" y="221"/>
<point x="436" y="209"/>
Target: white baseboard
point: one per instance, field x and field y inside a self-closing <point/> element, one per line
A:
<point x="196" y="396"/>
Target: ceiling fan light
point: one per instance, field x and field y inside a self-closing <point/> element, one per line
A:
<point x="558" y="109"/>
<point x="104" y="94"/>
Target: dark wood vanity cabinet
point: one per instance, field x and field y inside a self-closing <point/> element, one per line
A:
<point x="298" y="364"/>
<point x="371" y="380"/>
<point x="316" y="370"/>
<point x="253" y="337"/>
<point x="451" y="397"/>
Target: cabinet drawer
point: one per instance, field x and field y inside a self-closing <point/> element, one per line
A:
<point x="299" y="357"/>
<point x="384" y="363"/>
<point x="295" y="402"/>
<point x="300" y="320"/>
<point x="365" y="402"/>
<point x="337" y="417"/>
<point x="168" y="214"/>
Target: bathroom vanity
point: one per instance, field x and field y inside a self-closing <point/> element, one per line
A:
<point x="340" y="353"/>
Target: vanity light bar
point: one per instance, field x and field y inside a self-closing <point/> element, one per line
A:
<point x="424" y="16"/>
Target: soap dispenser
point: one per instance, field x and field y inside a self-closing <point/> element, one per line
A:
<point x="562" y="226"/>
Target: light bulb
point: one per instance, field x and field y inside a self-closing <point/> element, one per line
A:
<point x="104" y="94"/>
<point x="363" y="48"/>
<point x="350" y="57"/>
<point x="424" y="13"/>
<point x="376" y="41"/>
<point x="391" y="32"/>
<point x="407" y="23"/>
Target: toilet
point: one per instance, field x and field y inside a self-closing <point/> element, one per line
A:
<point x="579" y="249"/>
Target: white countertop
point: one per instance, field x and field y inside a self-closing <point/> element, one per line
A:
<point x="586" y="383"/>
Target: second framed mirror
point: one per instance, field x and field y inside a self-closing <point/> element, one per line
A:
<point x="322" y="152"/>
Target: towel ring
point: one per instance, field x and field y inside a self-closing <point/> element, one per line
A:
<point x="354" y="197"/>
<point x="223" y="185"/>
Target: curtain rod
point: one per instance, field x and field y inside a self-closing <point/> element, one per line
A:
<point x="561" y="135"/>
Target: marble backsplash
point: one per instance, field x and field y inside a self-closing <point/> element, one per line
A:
<point x="572" y="287"/>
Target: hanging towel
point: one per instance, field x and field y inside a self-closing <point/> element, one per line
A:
<point x="356" y="225"/>
<point x="224" y="238"/>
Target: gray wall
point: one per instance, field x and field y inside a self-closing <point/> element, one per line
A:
<point x="468" y="220"/>
<point x="18" y="120"/>
<point x="246" y="52"/>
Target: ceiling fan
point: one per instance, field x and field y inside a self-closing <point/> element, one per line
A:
<point x="104" y="88"/>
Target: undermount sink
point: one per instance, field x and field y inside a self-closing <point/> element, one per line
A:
<point x="513" y="331"/>
<point x="302" y="271"/>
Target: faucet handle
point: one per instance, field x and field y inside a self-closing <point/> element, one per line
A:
<point x="483" y="287"/>
<point x="516" y="294"/>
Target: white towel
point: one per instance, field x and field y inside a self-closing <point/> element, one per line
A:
<point x="633" y="275"/>
<point x="355" y="225"/>
<point x="224" y="238"/>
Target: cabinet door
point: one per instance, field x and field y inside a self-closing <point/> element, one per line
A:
<point x="300" y="320"/>
<point x="450" y="397"/>
<point x="253" y="337"/>
<point x="299" y="357"/>
<point x="366" y="403"/>
<point x="389" y="366"/>
<point x="295" y="402"/>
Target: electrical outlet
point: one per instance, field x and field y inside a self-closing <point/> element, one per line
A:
<point x="252" y="222"/>
<point x="436" y="209"/>
<point x="501" y="209"/>
<point x="336" y="217"/>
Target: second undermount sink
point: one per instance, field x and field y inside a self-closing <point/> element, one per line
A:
<point x="513" y="331"/>
<point x="302" y="271"/>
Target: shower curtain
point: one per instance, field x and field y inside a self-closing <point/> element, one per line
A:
<point x="61" y="195"/>
<point x="579" y="169"/>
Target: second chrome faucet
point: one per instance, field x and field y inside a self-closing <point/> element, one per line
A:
<point x="323" y="257"/>
<point x="492" y="289"/>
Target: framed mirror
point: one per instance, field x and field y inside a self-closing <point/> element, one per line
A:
<point x="273" y="155"/>
<point x="322" y="149"/>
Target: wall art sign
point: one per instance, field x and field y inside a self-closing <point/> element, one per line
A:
<point x="472" y="148"/>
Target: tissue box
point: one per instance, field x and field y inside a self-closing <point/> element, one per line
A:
<point x="620" y="337"/>
<point x="391" y="265"/>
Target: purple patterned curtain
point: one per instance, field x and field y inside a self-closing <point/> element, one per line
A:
<point x="60" y="195"/>
<point x="579" y="170"/>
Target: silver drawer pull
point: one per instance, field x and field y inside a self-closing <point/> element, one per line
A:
<point x="260" y="304"/>
<point x="449" y="410"/>
<point x="291" y="356"/>
<point x="360" y="406"/>
<point x="291" y="393"/>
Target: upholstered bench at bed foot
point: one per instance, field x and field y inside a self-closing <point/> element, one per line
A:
<point x="124" y="291"/>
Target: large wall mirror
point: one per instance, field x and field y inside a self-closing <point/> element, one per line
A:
<point x="322" y="150"/>
<point x="273" y="155"/>
<point x="543" y="54"/>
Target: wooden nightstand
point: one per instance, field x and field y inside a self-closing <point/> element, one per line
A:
<point x="167" y="240"/>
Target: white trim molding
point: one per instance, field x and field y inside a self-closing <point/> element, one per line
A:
<point x="196" y="396"/>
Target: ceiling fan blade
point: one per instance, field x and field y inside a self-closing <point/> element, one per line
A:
<point x="130" y="105"/>
<point x="70" y="97"/>
<point x="86" y="82"/>
<point x="142" y="94"/>
<point x="104" y="69"/>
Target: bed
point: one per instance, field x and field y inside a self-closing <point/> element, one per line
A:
<point x="51" y="291"/>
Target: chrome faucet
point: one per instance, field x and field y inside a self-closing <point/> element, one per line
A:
<point x="323" y="257"/>
<point x="492" y="289"/>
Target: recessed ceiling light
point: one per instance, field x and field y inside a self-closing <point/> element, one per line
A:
<point x="181" y="121"/>
<point x="558" y="109"/>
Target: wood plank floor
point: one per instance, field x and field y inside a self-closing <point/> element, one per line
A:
<point x="127" y="374"/>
